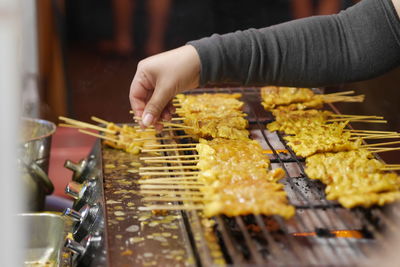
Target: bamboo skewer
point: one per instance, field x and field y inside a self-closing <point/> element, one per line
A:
<point x="187" y="178"/>
<point x="184" y="182"/>
<point x="168" y="149"/>
<point x="165" y="138"/>
<point x="355" y="116"/>
<point x="169" y="186"/>
<point x="369" y="131"/>
<point x="173" y="145"/>
<point x="170" y="157"/>
<point x="357" y="120"/>
<point x="340" y="93"/>
<point x="375" y="137"/>
<point x="380" y="144"/>
<point x="68" y="126"/>
<point x="168" y="168"/>
<point x="168" y="173"/>
<point x="170" y="161"/>
<point x="383" y="149"/>
<point x="170" y="207"/>
<point x="170" y="199"/>
<point x="86" y="125"/>
<point x="100" y="136"/>
<point x="170" y="192"/>
<point x="168" y="123"/>
<point x="96" y="119"/>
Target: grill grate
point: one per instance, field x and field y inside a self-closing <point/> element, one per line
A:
<point x="260" y="240"/>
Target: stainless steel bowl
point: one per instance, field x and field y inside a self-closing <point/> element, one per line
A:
<point x="44" y="240"/>
<point x="34" y="161"/>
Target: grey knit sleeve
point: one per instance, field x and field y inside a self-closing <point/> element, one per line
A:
<point x="358" y="43"/>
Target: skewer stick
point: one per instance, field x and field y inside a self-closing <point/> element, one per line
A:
<point x="170" y="192"/>
<point x="355" y="116"/>
<point x="170" y="157"/>
<point x="269" y="151"/>
<point x="384" y="149"/>
<point x="173" y="145"/>
<point x="170" y="161"/>
<point x="169" y="186"/>
<point x="169" y="149"/>
<point x="357" y="120"/>
<point x="177" y="119"/>
<point x="168" y="168"/>
<point x="368" y="131"/>
<point x="340" y="93"/>
<point x="170" y="207"/>
<point x="168" y="123"/>
<point x="100" y="136"/>
<point x="187" y="178"/>
<point x="385" y="136"/>
<point x="169" y="199"/>
<point x="96" y="119"/>
<point x="391" y="169"/>
<point x="142" y="182"/>
<point x="384" y="144"/>
<point x="165" y="138"/>
<point x="85" y="125"/>
<point x="68" y="126"/>
<point x="168" y="173"/>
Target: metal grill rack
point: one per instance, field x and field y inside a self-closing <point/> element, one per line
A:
<point x="321" y="233"/>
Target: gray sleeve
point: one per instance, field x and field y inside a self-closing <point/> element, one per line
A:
<point x="356" y="44"/>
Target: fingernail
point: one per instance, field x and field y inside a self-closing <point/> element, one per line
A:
<point x="147" y="119"/>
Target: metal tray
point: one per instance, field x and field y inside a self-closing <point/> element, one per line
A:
<point x="44" y="239"/>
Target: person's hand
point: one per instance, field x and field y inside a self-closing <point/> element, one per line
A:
<point x="159" y="78"/>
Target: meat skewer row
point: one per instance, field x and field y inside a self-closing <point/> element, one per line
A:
<point x="291" y="122"/>
<point x="128" y="138"/>
<point x="233" y="179"/>
<point x="292" y="98"/>
<point x="329" y="138"/>
<point x="213" y="115"/>
<point x="354" y="178"/>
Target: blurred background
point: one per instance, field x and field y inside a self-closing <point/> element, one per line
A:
<point x="79" y="58"/>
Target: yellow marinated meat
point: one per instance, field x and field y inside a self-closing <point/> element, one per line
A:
<point x="274" y="96"/>
<point x="209" y="102"/>
<point x="231" y="159"/>
<point x="247" y="197"/>
<point x="213" y="115"/>
<point x="354" y="178"/>
<point x="237" y="179"/>
<point x="316" y="103"/>
<point x="226" y="127"/>
<point x="130" y="139"/>
<point x="292" y="122"/>
<point x="323" y="138"/>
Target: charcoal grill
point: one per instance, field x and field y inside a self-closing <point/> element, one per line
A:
<point x="321" y="233"/>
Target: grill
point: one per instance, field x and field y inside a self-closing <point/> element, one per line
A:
<point x="321" y="232"/>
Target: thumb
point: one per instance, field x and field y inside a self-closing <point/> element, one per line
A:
<point x="155" y="106"/>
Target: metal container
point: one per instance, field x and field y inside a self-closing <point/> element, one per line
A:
<point x="45" y="238"/>
<point x="34" y="161"/>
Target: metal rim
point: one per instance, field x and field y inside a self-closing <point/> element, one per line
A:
<point x="53" y="128"/>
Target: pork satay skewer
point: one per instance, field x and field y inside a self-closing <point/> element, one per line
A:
<point x="173" y="145"/>
<point x="168" y="167"/>
<point x="171" y="207"/>
<point x="170" y="161"/>
<point x="171" y="192"/>
<point x="188" y="173"/>
<point x="173" y="199"/>
<point x="170" y="157"/>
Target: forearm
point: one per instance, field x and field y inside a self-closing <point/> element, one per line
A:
<point x="359" y="43"/>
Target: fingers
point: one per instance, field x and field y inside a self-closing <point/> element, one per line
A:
<point x="156" y="107"/>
